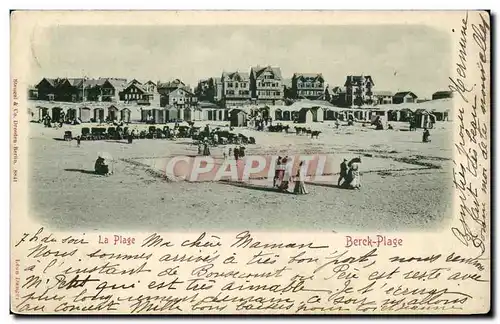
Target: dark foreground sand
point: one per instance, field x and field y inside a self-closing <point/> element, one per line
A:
<point x="66" y="195"/>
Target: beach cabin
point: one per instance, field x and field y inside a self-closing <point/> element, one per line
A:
<point x="56" y="113"/>
<point x="424" y="119"/>
<point x="85" y="114"/>
<point x="42" y="112"/>
<point x="112" y="113"/>
<point x="330" y="114"/>
<point x="278" y="114"/>
<point x="154" y="116"/>
<point x="99" y="114"/>
<point x="71" y="114"/>
<point x="146" y="115"/>
<point x="441" y="113"/>
<point x="238" y="118"/>
<point x="171" y="113"/>
<point x="221" y="114"/>
<point x="305" y="116"/>
<point x="404" y="97"/>
<point x="159" y="116"/>
<point x="318" y="114"/>
<point x="188" y="113"/>
<point x="125" y="115"/>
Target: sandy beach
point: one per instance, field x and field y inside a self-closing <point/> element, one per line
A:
<point x="406" y="184"/>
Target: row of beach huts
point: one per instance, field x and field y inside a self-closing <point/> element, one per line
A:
<point x="303" y="111"/>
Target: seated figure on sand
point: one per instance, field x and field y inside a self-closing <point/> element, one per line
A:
<point x="103" y="165"/>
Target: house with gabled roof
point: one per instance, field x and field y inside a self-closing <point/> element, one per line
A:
<point x="266" y="85"/>
<point x="382" y="97"/>
<point x="164" y="88"/>
<point x="150" y="86"/>
<point x="135" y="92"/>
<point x="404" y="97"/>
<point x="111" y="88"/>
<point x="47" y="89"/>
<point x="308" y="86"/>
<point x="235" y="89"/>
<point x="181" y="97"/>
<point x="442" y="95"/>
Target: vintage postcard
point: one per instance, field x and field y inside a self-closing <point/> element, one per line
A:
<point x="250" y="162"/>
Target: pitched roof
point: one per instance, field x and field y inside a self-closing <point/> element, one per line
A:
<point x="118" y="84"/>
<point x="383" y="93"/>
<point x="52" y="82"/>
<point x="134" y="81"/>
<point x="257" y="71"/>
<point x="185" y="89"/>
<point x="308" y="75"/>
<point x="237" y="111"/>
<point x="243" y="76"/>
<point x="176" y="83"/>
<point x="140" y="87"/>
<point x="206" y="104"/>
<point x="404" y="94"/>
<point x="448" y="93"/>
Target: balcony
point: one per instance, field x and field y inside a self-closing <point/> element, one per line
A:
<point x="237" y="96"/>
<point x="274" y="97"/>
<point x="143" y="102"/>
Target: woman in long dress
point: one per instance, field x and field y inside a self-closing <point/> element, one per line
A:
<point x="300" y="188"/>
<point x="206" y="149"/>
<point x="284" y="179"/>
<point x="354" y="175"/>
<point x="277" y="172"/>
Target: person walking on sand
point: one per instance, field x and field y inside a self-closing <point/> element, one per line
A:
<point x="343" y="172"/>
<point x="78" y="140"/>
<point x="200" y="148"/>
<point x="206" y="149"/>
<point x="277" y="171"/>
<point x="426" y="136"/>
<point x="300" y="188"/>
<point x="285" y="180"/>
<point x="236" y="153"/>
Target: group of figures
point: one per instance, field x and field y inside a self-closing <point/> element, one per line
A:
<point x="350" y="176"/>
<point x="282" y="177"/>
<point x="237" y="152"/>
<point x="204" y="147"/>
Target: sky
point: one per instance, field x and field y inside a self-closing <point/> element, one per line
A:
<point x="398" y="57"/>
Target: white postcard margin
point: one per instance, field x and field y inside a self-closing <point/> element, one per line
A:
<point x="445" y="272"/>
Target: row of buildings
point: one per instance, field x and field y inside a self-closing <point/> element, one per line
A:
<point x="261" y="86"/>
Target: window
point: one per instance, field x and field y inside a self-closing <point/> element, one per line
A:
<point x="236" y="85"/>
